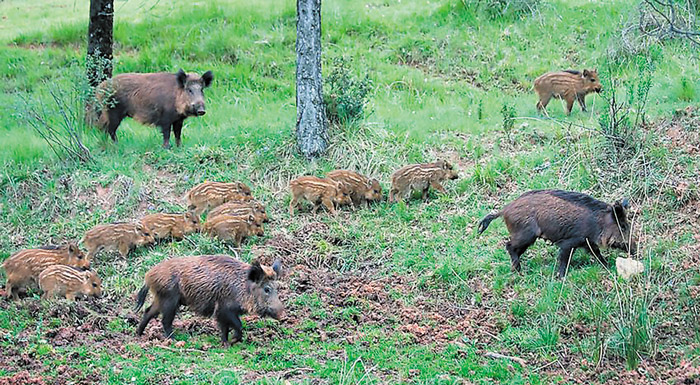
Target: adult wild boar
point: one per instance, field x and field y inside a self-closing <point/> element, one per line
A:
<point x="161" y="99"/>
<point x="568" y="219"/>
<point x="209" y="285"/>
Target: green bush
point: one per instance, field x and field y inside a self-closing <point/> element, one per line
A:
<point x="345" y="95"/>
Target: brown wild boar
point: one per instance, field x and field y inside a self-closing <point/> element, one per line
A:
<point x="69" y="282"/>
<point x="121" y="237"/>
<point x="420" y="177"/>
<point x="318" y="191"/>
<point x="568" y="85"/>
<point x="253" y="207"/>
<point x="211" y="285"/>
<point x="171" y="225"/>
<point x="208" y="195"/>
<point x="23" y="267"/>
<point x="568" y="219"/>
<point x="229" y="228"/>
<point x="161" y="99"/>
<point x="361" y="188"/>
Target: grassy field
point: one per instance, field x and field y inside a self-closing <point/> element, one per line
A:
<point x="396" y="293"/>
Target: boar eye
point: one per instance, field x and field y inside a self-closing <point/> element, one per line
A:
<point x="94" y="284"/>
<point x="267" y="289"/>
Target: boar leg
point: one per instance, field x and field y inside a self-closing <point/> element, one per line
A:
<point x="544" y="100"/>
<point x="177" y="130"/>
<point x="517" y="246"/>
<point x="150" y="313"/>
<point x="566" y="249"/>
<point x="593" y="249"/>
<point x="168" y="308"/>
<point x="228" y="318"/>
<point x="10" y="291"/>
<point x="123" y="249"/>
<point x="569" y="105"/>
<point x="166" y="136"/>
<point x="115" y="117"/>
<point x="582" y="101"/>
<point x="328" y="204"/>
<point x="437" y="186"/>
<point x="293" y="204"/>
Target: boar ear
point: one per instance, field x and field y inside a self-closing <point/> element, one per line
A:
<point x="619" y="210"/>
<point x="277" y="267"/>
<point x="586" y="73"/>
<point x="256" y="273"/>
<point x="207" y="77"/>
<point x="251" y="219"/>
<point x="72" y="249"/>
<point x="181" y="78"/>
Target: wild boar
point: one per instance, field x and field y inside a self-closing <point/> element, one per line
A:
<point x="420" y="177"/>
<point x="211" y="285"/>
<point x="208" y="195"/>
<point x="161" y="99"/>
<point x="361" y="189"/>
<point x="569" y="85"/>
<point x="69" y="282"/>
<point x="23" y="267"/>
<point x="568" y="219"/>
<point x="253" y="207"/>
<point x="121" y="237"/>
<point x="171" y="225"/>
<point x="318" y="191"/>
<point x="229" y="228"/>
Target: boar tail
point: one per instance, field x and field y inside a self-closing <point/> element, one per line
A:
<point x="484" y="224"/>
<point x="141" y="297"/>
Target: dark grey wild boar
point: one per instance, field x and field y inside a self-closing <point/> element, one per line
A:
<point x="568" y="219"/>
<point x="209" y="285"/>
<point x="161" y="99"/>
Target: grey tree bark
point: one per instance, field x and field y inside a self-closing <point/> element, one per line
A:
<point x="312" y="127"/>
<point x="99" y="52"/>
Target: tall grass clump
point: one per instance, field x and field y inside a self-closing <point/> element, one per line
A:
<point x="58" y="117"/>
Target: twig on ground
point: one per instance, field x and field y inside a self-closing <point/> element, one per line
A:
<point x="519" y="360"/>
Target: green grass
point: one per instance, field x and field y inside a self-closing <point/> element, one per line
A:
<point x="442" y="74"/>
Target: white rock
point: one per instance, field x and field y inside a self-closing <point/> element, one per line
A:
<point x="628" y="267"/>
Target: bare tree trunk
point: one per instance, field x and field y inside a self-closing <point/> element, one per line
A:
<point x="312" y="127"/>
<point x="99" y="53"/>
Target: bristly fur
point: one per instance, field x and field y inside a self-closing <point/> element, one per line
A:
<point x="573" y="72"/>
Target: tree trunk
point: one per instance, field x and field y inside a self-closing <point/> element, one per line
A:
<point x="99" y="53"/>
<point x="312" y="127"/>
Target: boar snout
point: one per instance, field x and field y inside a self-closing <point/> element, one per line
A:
<point x="199" y="109"/>
<point x="599" y="89"/>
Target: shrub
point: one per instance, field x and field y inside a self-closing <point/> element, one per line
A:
<point x="499" y="8"/>
<point x="345" y="95"/>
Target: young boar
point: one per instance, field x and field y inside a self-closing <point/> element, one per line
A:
<point x="69" y="282"/>
<point x="568" y="219"/>
<point x="161" y="99"/>
<point x="171" y="225"/>
<point x="121" y="237"/>
<point x="317" y="191"/>
<point x="208" y="195"/>
<point x="568" y="85"/>
<point x="361" y="189"/>
<point x="420" y="177"/>
<point x="238" y="209"/>
<point x="211" y="285"/>
<point x="23" y="267"/>
<point x="229" y="228"/>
